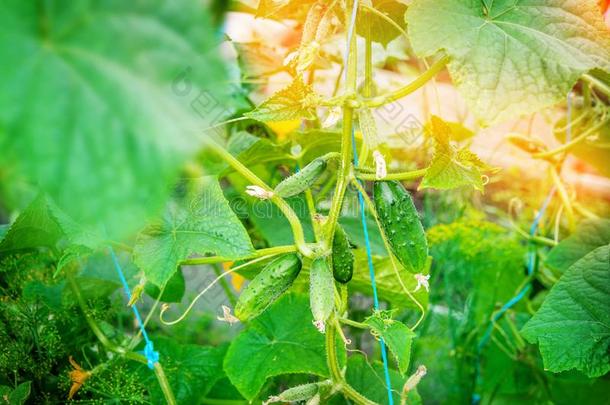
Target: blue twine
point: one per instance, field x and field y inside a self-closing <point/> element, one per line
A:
<point x="149" y="352"/>
<point x="369" y="255"/>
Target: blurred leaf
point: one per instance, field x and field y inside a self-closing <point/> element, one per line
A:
<point x="369" y="380"/>
<point x="589" y="235"/>
<point x="377" y="28"/>
<point x="192" y="370"/>
<point x="256" y="59"/>
<point x="43" y="224"/>
<point x="282" y="340"/>
<point x="203" y="225"/>
<point x="388" y="287"/>
<point x="173" y="291"/>
<point x="284" y="9"/>
<point x="451" y="167"/>
<point x="509" y="59"/>
<point x="594" y="150"/>
<point x="103" y="125"/>
<point x="287" y="104"/>
<point x="353" y="227"/>
<point x="572" y="327"/>
<point x="396" y="335"/>
<point x="16" y="396"/>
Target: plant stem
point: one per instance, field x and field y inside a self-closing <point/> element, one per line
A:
<point x="333" y="366"/>
<point x="353" y="323"/>
<point x="598" y="84"/>
<point x="165" y="387"/>
<point x="540" y="240"/>
<point x="568" y="145"/>
<point x="225" y="286"/>
<point x="272" y="251"/>
<point x="565" y="198"/>
<point x="161" y="378"/>
<point x="291" y="216"/>
<point x="410" y="175"/>
<point x="346" y="137"/>
<point x="411" y="87"/>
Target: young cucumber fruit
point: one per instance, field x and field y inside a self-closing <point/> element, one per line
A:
<point x="302" y="180"/>
<point x="401" y="224"/>
<point x="321" y="292"/>
<point x="267" y="286"/>
<point x="342" y="257"/>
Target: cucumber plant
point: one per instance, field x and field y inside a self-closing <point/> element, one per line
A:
<point x="307" y="199"/>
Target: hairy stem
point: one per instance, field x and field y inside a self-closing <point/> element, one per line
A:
<point x="411" y="87"/>
<point x="333" y="366"/>
<point x="410" y="175"/>
<point x="272" y="251"/>
<point x="568" y="145"/>
<point x="291" y="216"/>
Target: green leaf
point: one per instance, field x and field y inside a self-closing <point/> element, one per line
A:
<point x="369" y="380"/>
<point x="292" y="102"/>
<point x="377" y="28"/>
<point x="451" y="167"/>
<point x="511" y="57"/>
<point x="204" y="225"/>
<point x="104" y="125"/>
<point x="43" y="224"/>
<point x="388" y="287"/>
<point x="192" y="370"/>
<point x="396" y="335"/>
<point x="282" y="340"/>
<point x="572" y="327"/>
<point x="173" y="291"/>
<point x="16" y="396"/>
<point x="256" y="59"/>
<point x="589" y="235"/>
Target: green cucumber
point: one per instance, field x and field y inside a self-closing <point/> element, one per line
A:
<point x="302" y="180"/>
<point x="321" y="292"/>
<point x="401" y="224"/>
<point x="267" y="286"/>
<point x="342" y="257"/>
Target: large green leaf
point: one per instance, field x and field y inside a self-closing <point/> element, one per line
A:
<point x="388" y="286"/>
<point x="572" y="327"/>
<point x="191" y="370"/>
<point x="396" y="335"/>
<point x="205" y="224"/>
<point x="282" y="340"/>
<point x="99" y="119"/>
<point x="510" y="57"/>
<point x="589" y="235"/>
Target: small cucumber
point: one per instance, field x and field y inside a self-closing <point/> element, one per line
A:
<point x="267" y="286"/>
<point x="302" y="180"/>
<point x="342" y="257"/>
<point x="321" y="292"/>
<point x="401" y="224"/>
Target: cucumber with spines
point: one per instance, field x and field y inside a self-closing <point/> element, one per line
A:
<point x="401" y="224"/>
<point x="275" y="278"/>
<point x="303" y="179"/>
<point x="342" y="257"/>
<point x="321" y="291"/>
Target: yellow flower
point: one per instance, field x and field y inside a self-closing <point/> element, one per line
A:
<point x="283" y="128"/>
<point x="78" y="376"/>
